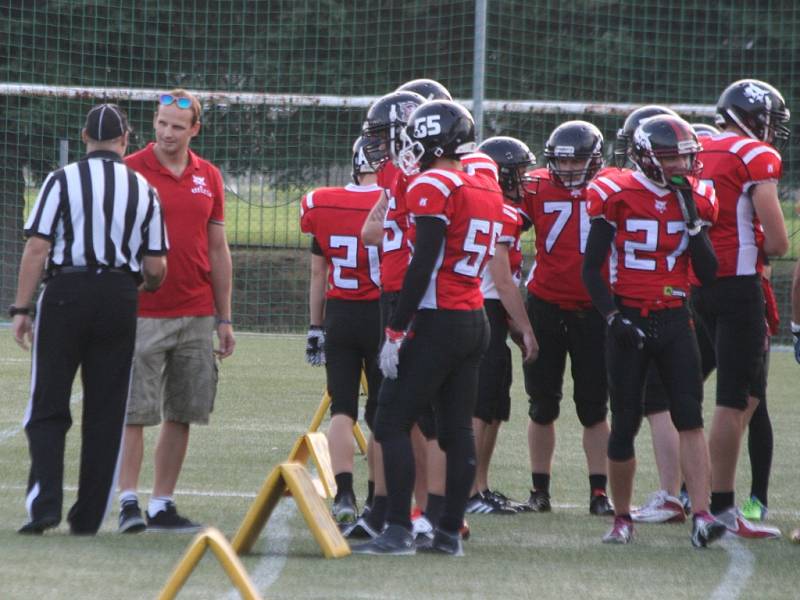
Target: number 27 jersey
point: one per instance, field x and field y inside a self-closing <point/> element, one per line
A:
<point x="472" y="208"/>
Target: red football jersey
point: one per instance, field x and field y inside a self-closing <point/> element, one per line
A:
<point x="510" y="236"/>
<point x="472" y="208"/>
<point x="732" y="164"/>
<point x="396" y="251"/>
<point x="478" y="163"/>
<point x="561" y="224"/>
<point x="649" y="264"/>
<point x="335" y="216"/>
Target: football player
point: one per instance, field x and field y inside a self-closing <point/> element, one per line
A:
<point x="435" y="358"/>
<point x="345" y="312"/>
<point x="656" y="217"/>
<point x="508" y="160"/>
<point x="561" y="311"/>
<point x="744" y="166"/>
<point x="667" y="504"/>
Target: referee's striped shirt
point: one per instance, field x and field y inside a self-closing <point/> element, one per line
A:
<point x="98" y="212"/>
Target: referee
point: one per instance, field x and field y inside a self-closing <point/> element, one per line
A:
<point x="96" y="229"/>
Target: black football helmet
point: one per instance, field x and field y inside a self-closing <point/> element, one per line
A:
<point x="661" y="138"/>
<point x="576" y="140"/>
<point x="436" y="129"/>
<point x="514" y="159"/>
<point x="361" y="165"/>
<point x="386" y="118"/>
<point x="757" y="108"/>
<point x="704" y="130"/>
<point x="625" y="133"/>
<point x="429" y="89"/>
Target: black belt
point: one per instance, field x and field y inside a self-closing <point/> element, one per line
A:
<point x="97" y="269"/>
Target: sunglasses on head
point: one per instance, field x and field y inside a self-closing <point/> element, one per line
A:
<point x="180" y="102"/>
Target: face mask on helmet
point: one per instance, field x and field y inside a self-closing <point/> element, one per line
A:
<point x="663" y="148"/>
<point x="514" y="159"/>
<point x="574" y="153"/>
<point x="623" y="142"/>
<point x="386" y="118"/>
<point x="571" y="172"/>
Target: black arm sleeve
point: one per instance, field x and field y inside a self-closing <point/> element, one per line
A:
<point x="430" y="238"/>
<point x="704" y="261"/>
<point x="601" y="234"/>
<point x="316" y="248"/>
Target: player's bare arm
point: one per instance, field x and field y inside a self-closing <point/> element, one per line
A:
<point x="372" y="231"/>
<point x="768" y="209"/>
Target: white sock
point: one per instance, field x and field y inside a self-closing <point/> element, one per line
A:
<point x="127" y="496"/>
<point x="157" y="504"/>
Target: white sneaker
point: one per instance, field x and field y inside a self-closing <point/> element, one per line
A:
<point x="660" y="507"/>
<point x="739" y="526"/>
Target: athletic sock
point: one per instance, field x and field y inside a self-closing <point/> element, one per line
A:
<point x="344" y="484"/>
<point x="433" y="510"/>
<point x="721" y="501"/>
<point x="760" y="447"/>
<point x="541" y="482"/>
<point x="597" y="484"/>
<point x="370" y="492"/>
<point x="157" y="504"/>
<point x="128" y="496"/>
<point x="377" y="515"/>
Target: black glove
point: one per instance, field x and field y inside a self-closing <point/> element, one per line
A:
<point x="683" y="190"/>
<point x="315" y="346"/>
<point x="625" y="333"/>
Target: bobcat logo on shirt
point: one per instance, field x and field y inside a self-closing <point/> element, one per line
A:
<point x="661" y="206"/>
<point x="757" y="95"/>
<point x="200" y="186"/>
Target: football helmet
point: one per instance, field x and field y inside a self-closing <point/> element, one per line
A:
<point x="429" y="89"/>
<point x="436" y="129"/>
<point x="361" y="165"/>
<point x="577" y="140"/>
<point x="658" y="142"/>
<point x="704" y="130"/>
<point x="386" y="118"/>
<point x="625" y="133"/>
<point x="514" y="159"/>
<point x="757" y="108"/>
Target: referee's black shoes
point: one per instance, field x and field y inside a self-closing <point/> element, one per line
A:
<point x="38" y="526"/>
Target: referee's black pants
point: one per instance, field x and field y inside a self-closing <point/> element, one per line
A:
<point x="87" y="320"/>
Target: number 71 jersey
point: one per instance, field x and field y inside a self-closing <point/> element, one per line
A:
<point x="472" y="208"/>
<point x="335" y="216"/>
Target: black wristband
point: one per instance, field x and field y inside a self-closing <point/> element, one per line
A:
<point x="18" y="310"/>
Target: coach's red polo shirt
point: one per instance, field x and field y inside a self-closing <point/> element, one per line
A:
<point x="189" y="203"/>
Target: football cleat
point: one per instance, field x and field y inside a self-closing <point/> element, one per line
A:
<point x="600" y="505"/>
<point x="344" y="510"/>
<point x="485" y="504"/>
<point x="539" y="501"/>
<point x="503" y="499"/>
<point x="686" y="501"/>
<point x="741" y="527"/>
<point x="660" y="507"/>
<point x="706" y="529"/>
<point x="621" y="532"/>
<point x="754" y="510"/>
<point x="394" y="541"/>
<point x="422" y="531"/>
<point x="361" y="529"/>
<point x="445" y="543"/>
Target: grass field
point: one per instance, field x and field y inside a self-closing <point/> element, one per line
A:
<point x="266" y="398"/>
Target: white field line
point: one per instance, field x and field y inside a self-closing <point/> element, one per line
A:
<point x="278" y="536"/>
<point x="6" y="434"/>
<point x="740" y="569"/>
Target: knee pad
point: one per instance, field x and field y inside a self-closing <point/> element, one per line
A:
<point x="544" y="413"/>
<point x="624" y="427"/>
<point x="590" y="415"/>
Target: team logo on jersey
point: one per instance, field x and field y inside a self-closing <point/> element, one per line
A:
<point x="755" y="94"/>
<point x="423" y="201"/>
<point x="661" y="206"/>
<point x="200" y="186"/>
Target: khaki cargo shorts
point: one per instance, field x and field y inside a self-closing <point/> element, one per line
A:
<point x="174" y="371"/>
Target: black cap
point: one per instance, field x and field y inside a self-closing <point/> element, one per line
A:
<point x="106" y="122"/>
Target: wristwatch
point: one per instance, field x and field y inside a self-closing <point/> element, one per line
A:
<point x="18" y="310"/>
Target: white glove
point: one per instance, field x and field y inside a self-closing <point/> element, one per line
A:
<point x="315" y="346"/>
<point x="390" y="353"/>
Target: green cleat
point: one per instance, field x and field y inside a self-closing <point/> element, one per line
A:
<point x="754" y="510"/>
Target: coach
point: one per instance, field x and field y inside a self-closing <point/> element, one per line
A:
<point x="97" y="227"/>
